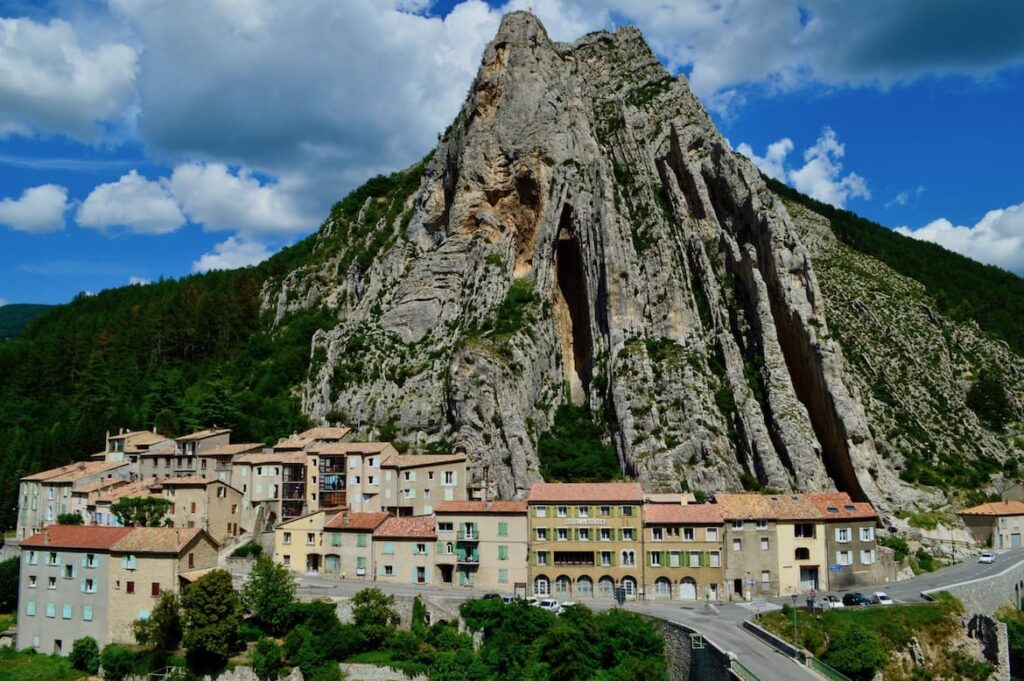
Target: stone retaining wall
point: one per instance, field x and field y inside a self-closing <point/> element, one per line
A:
<point x="689" y="663"/>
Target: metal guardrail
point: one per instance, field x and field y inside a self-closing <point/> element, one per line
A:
<point x="826" y="671"/>
<point x="742" y="671"/>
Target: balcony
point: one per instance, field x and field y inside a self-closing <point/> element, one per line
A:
<point x="294" y="477"/>
<point x="332" y="499"/>
<point x="291" y="508"/>
<point x="293" y="491"/>
<point x="468" y="559"/>
<point x="469" y="535"/>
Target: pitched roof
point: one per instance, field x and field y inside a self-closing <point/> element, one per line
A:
<point x="185" y="481"/>
<point x="753" y="506"/>
<point x="996" y="508"/>
<point x="353" y="447"/>
<point x="586" y="491"/>
<point x="356" y="521"/>
<point x="839" y="505"/>
<point x="504" y="507"/>
<point x="271" y="457"/>
<point x="98" y="485"/>
<point x="326" y="432"/>
<point x="138" y="488"/>
<point x="74" y="471"/>
<point x="409" y="527"/>
<point x="669" y="498"/>
<point x="140" y="438"/>
<point x="77" y="537"/>
<point x="156" y="540"/>
<point x="417" y="460"/>
<point x="202" y="434"/>
<point x="679" y="513"/>
<point x="232" y="450"/>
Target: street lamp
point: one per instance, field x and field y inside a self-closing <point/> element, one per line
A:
<point x="795" y="645"/>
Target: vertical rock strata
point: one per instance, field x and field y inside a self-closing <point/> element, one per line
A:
<point x="583" y="232"/>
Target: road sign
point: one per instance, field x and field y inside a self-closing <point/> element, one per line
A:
<point x="835" y="568"/>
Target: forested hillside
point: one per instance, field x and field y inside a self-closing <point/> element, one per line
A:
<point x="14" y="318"/>
<point x="963" y="288"/>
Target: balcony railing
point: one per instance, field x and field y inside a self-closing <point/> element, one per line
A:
<point x="469" y="559"/>
<point x="469" y="535"/>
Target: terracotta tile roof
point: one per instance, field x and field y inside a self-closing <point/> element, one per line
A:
<point x="98" y="485"/>
<point x="232" y="450"/>
<point x="505" y="507"/>
<point x="193" y="575"/>
<point x="74" y="471"/>
<point x="417" y="460"/>
<point x="139" y="488"/>
<point x="678" y="513"/>
<point x="839" y="505"/>
<point x="356" y="521"/>
<point x="325" y="432"/>
<point x="271" y="457"/>
<point x="586" y="491"/>
<point x="202" y="434"/>
<point x="753" y="506"/>
<point x="140" y="438"/>
<point x="669" y="498"/>
<point x="354" y="447"/>
<point x="185" y="481"/>
<point x="996" y="508"/>
<point x="156" y="540"/>
<point x="130" y="433"/>
<point x="77" y="537"/>
<point x="409" y="527"/>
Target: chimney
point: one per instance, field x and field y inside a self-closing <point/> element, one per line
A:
<point x="345" y="520"/>
<point x="46" y="537"/>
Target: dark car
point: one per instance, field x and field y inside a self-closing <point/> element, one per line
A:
<point x="856" y="599"/>
<point x="491" y="597"/>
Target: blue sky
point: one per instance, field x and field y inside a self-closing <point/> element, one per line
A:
<point x="140" y="139"/>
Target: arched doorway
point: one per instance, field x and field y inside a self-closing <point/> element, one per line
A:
<point x="688" y="589"/>
<point x="585" y="587"/>
<point x="606" y="587"/>
<point x="629" y="584"/>
<point x="541" y="586"/>
<point x="563" y="587"/>
<point x="662" y="588"/>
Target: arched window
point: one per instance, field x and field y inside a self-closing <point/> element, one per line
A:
<point x="562" y="586"/>
<point x="448" y="548"/>
<point x="585" y="587"/>
<point x="629" y="558"/>
<point x="629" y="584"/>
<point x="541" y="586"/>
<point x="606" y="587"/>
<point x="803" y="553"/>
<point x="662" y="588"/>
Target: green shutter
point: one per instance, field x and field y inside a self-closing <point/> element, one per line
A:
<point x="664" y="558"/>
<point x="440" y="547"/>
<point x="83" y="585"/>
<point x="502" y="552"/>
<point x="84" y="561"/>
<point x="502" y="529"/>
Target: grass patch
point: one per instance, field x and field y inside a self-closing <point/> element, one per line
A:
<point x="31" y="666"/>
<point x="929" y="520"/>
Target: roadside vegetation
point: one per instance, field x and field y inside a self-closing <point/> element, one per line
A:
<point x="860" y="642"/>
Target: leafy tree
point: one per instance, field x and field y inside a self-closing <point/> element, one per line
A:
<point x="856" y="651"/>
<point x="69" y="519"/>
<point x="326" y="672"/>
<point x="267" y="660"/>
<point x="211" y="614"/>
<point x="374" y="614"/>
<point x="118" y="661"/>
<point x="85" y="655"/>
<point x="987" y="398"/>
<point x="623" y="635"/>
<point x="574" y="449"/>
<point x="567" y="654"/>
<point x="162" y="630"/>
<point x="269" y="595"/>
<point x="141" y="511"/>
<point x="419" y="615"/>
<point x="9" y="576"/>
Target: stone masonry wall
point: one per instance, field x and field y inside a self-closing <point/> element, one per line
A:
<point x="685" y="663"/>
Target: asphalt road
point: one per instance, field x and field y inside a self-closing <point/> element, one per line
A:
<point x="719" y="624"/>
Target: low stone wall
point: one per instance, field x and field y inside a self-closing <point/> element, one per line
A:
<point x="780" y="644"/>
<point x="437" y="608"/>
<point x="687" y="663"/>
<point x="985" y="595"/>
<point x="370" y="672"/>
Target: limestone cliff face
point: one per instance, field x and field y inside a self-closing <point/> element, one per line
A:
<point x="583" y="232"/>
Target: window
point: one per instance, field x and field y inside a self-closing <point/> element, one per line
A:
<point x="502" y="552"/>
<point x="129" y="587"/>
<point x="90" y="560"/>
<point x="222" y="492"/>
<point x="33" y="558"/>
<point x="542" y="558"/>
<point x="89" y="585"/>
<point x="737" y="545"/>
<point x="606" y="534"/>
<point x="541" y="511"/>
<point x="389" y="570"/>
<point x="737" y="524"/>
<point x="335" y="539"/>
<point x="502" y="529"/>
<point x="562" y="511"/>
<point x="449" y="478"/>
<point x="867" y="534"/>
<point x="542" y="534"/>
<point x="674" y="559"/>
<point x="761" y="524"/>
<point x="867" y="557"/>
<point x="584" y="534"/>
<point x="503" y="576"/>
<point x="541" y="586"/>
<point x="69" y="572"/>
<point x="657" y="534"/>
<point x="606" y="510"/>
<point x="389" y="548"/>
<point x="714" y="559"/>
<point x="842" y="534"/>
<point x="844" y="557"/>
<point x="361" y="540"/>
<point x="87" y="613"/>
<point x="421" y="550"/>
<point x="51" y="583"/>
<point x="695" y="559"/>
<point x="711" y="534"/>
<point x="192" y="506"/>
<point x="655" y="558"/>
<point x="802" y="553"/>
<point x="430" y="475"/>
<point x="627" y="534"/>
<point x="803" y="530"/>
<point x="563" y="533"/>
<point x="287" y="538"/>
<point x="286" y="559"/>
<point x="53" y="558"/>
<point x="606" y="558"/>
<point x="764" y="543"/>
<point x="30" y="608"/>
<point x="154" y="589"/>
<point x="234" y="508"/>
<point x="448" y="527"/>
<point x="629" y="558"/>
<point x="31" y="581"/>
<point x="687" y="534"/>
<point x="583" y="511"/>
<point x="310" y="539"/>
<point x="51" y="609"/>
<point x="627" y="511"/>
<point x="766" y="577"/>
<point x="191" y="560"/>
<point x="65" y="611"/>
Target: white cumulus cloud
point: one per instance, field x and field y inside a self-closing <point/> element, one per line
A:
<point x="996" y="239"/>
<point x="232" y="254"/>
<point x="821" y="175"/>
<point x="133" y="202"/>
<point x="39" y="209"/>
<point x="51" y="82"/>
<point x="138" y="281"/>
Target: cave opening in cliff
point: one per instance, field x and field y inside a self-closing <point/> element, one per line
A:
<point x="571" y="310"/>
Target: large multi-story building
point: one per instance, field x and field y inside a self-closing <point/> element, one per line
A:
<point x="683" y="551"/>
<point x="586" y="539"/>
<point x="210" y="505"/>
<point x="850" y="548"/>
<point x="482" y="545"/>
<point x="414" y="483"/>
<point x="44" y="496"/>
<point x="299" y="542"/>
<point x="78" y="581"/>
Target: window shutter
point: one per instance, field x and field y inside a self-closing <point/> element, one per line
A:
<point x="83" y="585"/>
<point x="613" y="560"/>
<point x="124" y="562"/>
<point x="837" y="534"/>
<point x="85" y="562"/>
<point x="440" y="547"/>
<point x="74" y="571"/>
<point x="664" y="558"/>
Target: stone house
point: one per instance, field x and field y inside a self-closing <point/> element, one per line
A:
<point x="403" y="550"/>
<point x="348" y="544"/>
<point x="683" y="551"/>
<point x="586" y="539"/>
<point x="996" y="524"/>
<point x="483" y="545"/>
<point x="850" y="544"/>
<point x="298" y="543"/>
<point x="211" y="505"/>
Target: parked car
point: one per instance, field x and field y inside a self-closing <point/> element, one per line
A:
<point x="882" y="598"/>
<point x="987" y="557"/>
<point x="564" y="605"/>
<point x="509" y="599"/>
<point x="855" y="598"/>
<point x="491" y="597"/>
<point x="549" y="604"/>
<point x="831" y="603"/>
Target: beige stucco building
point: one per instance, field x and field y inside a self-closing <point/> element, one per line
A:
<point x="298" y="543"/>
<point x="483" y="545"/>
<point x="586" y="539"/>
<point x="683" y="552"/>
<point x="45" y="495"/>
<point x="997" y="524"/>
<point x="210" y="505"/>
<point x="348" y="544"/>
<point x="413" y="484"/>
<point x="403" y="550"/>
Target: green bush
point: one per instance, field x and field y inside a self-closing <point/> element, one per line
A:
<point x="69" y="519"/>
<point x="118" y="661"/>
<point x="857" y="651"/>
<point x="267" y="660"/>
<point x="574" y="450"/>
<point x="899" y="546"/>
<point x="85" y="655"/>
<point x="10" y="571"/>
<point x="249" y="550"/>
